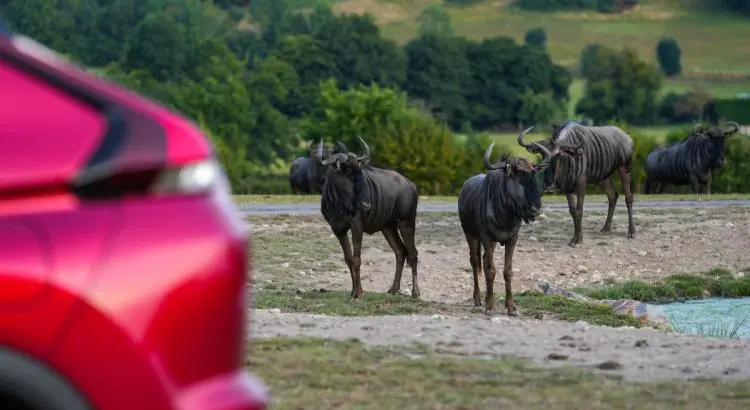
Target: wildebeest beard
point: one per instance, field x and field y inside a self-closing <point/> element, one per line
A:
<point x="519" y="195"/>
<point x="346" y="185"/>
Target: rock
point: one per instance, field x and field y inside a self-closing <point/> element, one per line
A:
<point x="533" y="238"/>
<point x="731" y="370"/>
<point x="609" y="365"/>
<point x="557" y="356"/>
<point x="582" y="269"/>
<point x="274" y="310"/>
<point x="438" y="317"/>
<point x="701" y="213"/>
<point x="641" y="343"/>
<point x="285" y="265"/>
<point x="642" y="253"/>
<point x="566" y="337"/>
<point x="541" y="217"/>
<point x="550" y="289"/>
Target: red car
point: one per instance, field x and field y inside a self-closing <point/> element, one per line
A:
<point x="123" y="263"/>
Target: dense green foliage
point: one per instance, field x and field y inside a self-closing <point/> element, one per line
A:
<point x="620" y="86"/>
<point x="743" y="6"/>
<point x="264" y="76"/>
<point x="668" y="55"/>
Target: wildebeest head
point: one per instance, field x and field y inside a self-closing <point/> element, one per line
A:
<point x="516" y="176"/>
<point x="717" y="136"/>
<point x="344" y="167"/>
<point x="556" y="148"/>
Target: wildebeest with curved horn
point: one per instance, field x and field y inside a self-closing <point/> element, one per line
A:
<point x="690" y="161"/>
<point x="491" y="208"/>
<point x="582" y="155"/>
<point x="392" y="210"/>
<point x="306" y="173"/>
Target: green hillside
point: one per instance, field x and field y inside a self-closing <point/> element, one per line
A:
<point x="712" y="41"/>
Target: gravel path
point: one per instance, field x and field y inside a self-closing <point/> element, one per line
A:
<point x="635" y="354"/>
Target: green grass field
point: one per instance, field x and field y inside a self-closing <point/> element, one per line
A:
<point x="712" y="41"/>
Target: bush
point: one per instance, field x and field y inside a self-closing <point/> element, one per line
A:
<point x="400" y="137"/>
<point x="668" y="54"/>
<point x="536" y="37"/>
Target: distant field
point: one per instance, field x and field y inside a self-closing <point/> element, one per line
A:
<point x="711" y="42"/>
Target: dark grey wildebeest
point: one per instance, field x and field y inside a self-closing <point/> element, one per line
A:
<point x="582" y="155"/>
<point x="491" y="208"/>
<point x="392" y="210"/>
<point x="690" y="161"/>
<point x="306" y="173"/>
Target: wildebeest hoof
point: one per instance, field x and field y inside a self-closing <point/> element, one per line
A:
<point x="489" y="312"/>
<point x="393" y="291"/>
<point x="512" y="312"/>
<point x="631" y="235"/>
<point x="477" y="303"/>
<point x="415" y="293"/>
<point x="606" y="229"/>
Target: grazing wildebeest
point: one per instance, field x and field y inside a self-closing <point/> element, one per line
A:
<point x="690" y="161"/>
<point x="491" y="208"/>
<point x="392" y="210"/>
<point x="306" y="173"/>
<point x="582" y="155"/>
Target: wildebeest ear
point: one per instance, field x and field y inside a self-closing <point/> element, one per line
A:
<point x="508" y="169"/>
<point x="570" y="151"/>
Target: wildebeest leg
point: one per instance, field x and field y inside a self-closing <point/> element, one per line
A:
<point x="399" y="249"/>
<point x="647" y="185"/>
<point x="612" y="196"/>
<point x="510" y="304"/>
<point x="576" y="211"/>
<point x="407" y="228"/>
<point x="489" y="274"/>
<point x="695" y="184"/>
<point x="357" y="234"/>
<point x="475" y="259"/>
<point x="626" y="179"/>
<point x="348" y="257"/>
<point x="666" y="188"/>
<point x="708" y="184"/>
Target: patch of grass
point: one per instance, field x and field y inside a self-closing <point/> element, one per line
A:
<point x="339" y="303"/>
<point x="318" y="373"/>
<point x="716" y="283"/>
<point x="535" y="302"/>
<point x="378" y="304"/>
<point x="721" y="329"/>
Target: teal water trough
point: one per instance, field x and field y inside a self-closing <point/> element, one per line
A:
<point x="713" y="316"/>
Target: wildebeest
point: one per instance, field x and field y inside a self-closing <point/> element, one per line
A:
<point x="690" y="161"/>
<point x="582" y="155"/>
<point x="491" y="208"/>
<point x="392" y="210"/>
<point x="306" y="173"/>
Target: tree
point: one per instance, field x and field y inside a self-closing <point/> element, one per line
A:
<point x="668" y="54"/>
<point x="536" y="37"/>
<point x="439" y="73"/>
<point x="620" y="86"/>
<point x="434" y="20"/>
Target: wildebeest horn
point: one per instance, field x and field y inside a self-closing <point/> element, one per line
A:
<point x="486" y="158"/>
<point x="366" y="155"/>
<point x="522" y="135"/>
<point x="545" y="161"/>
<point x="342" y="148"/>
<point x="309" y="144"/>
<point x="734" y="125"/>
<point x="320" y="150"/>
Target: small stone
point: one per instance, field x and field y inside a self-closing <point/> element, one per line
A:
<point x="609" y="365"/>
<point x="567" y="337"/>
<point x="641" y="343"/>
<point x="686" y="370"/>
<point x="701" y="212"/>
<point x="274" y="310"/>
<point x="557" y="356"/>
<point x="731" y="370"/>
<point x="438" y="317"/>
<point x="538" y="315"/>
<point x="533" y="238"/>
<point x="285" y="265"/>
<point x="642" y="253"/>
<point x="582" y="269"/>
<point x="729" y="225"/>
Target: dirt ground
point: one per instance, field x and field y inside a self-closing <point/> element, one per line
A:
<point x="300" y="252"/>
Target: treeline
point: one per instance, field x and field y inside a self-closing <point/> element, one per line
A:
<point x="605" y="6"/>
<point x="265" y="78"/>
